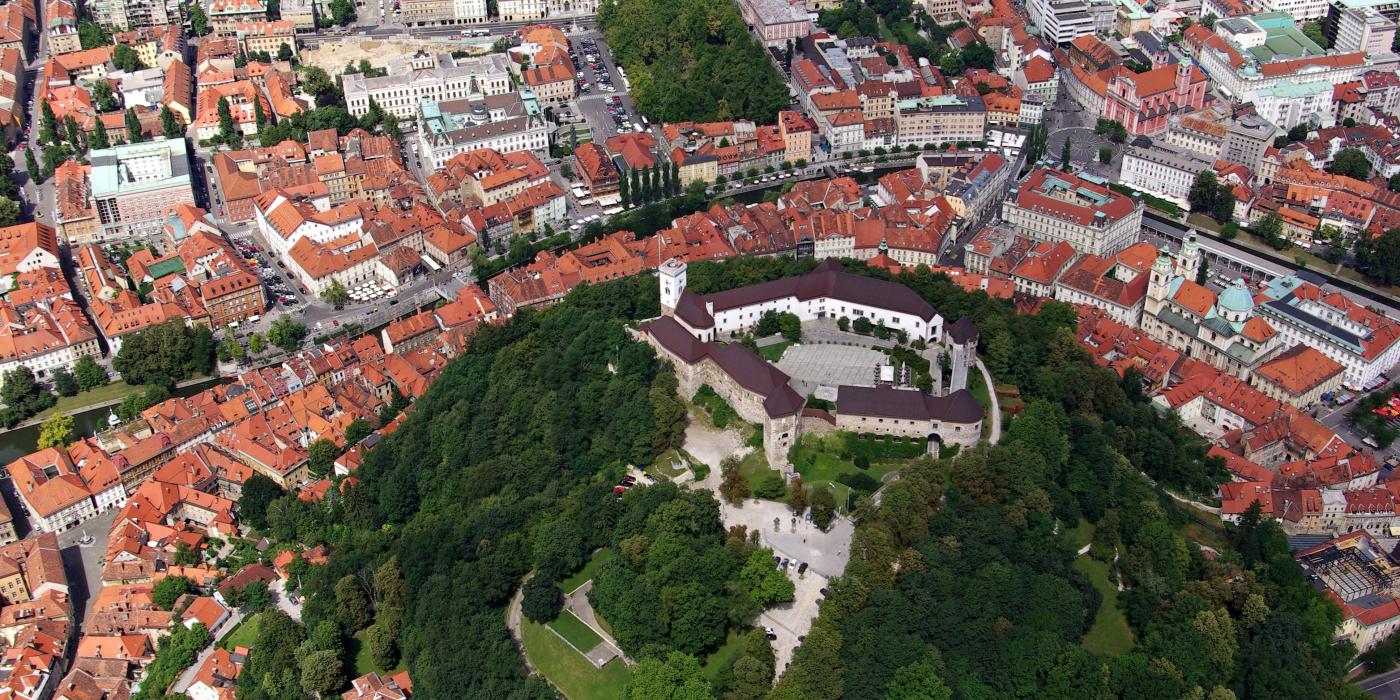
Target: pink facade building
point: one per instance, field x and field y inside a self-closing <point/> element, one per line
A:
<point x="1143" y="102"/>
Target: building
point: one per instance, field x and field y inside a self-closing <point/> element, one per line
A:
<point x="426" y="76"/>
<point x="1061" y="21"/>
<point x="943" y="119"/>
<point x="254" y="37"/>
<point x="136" y="186"/>
<point x="48" y="484"/>
<point x="596" y="169"/>
<point x="372" y="686"/>
<point x="1363" y="341"/>
<point x="226" y="15"/>
<point x="1053" y="206"/>
<point x="1143" y="102"/>
<point x="776" y="22"/>
<point x="1357" y="573"/>
<point x="1299" y="377"/>
<point x="1165" y="172"/>
<point x="133" y="14"/>
<point x="1118" y="285"/>
<point x="502" y="122"/>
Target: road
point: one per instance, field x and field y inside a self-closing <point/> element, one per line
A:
<point x="1385" y="686"/>
<point x="187" y="677"/>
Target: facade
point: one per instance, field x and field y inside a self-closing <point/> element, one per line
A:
<point x="1299" y="377"/>
<point x="500" y="122"/>
<point x="777" y="22"/>
<point x="137" y="13"/>
<point x="136" y="186"/>
<point x="1061" y="21"/>
<point x="1053" y="206"/>
<point x="1165" y="172"/>
<point x="267" y="36"/>
<point x="425" y="76"/>
<point x="941" y="119"/>
<point x="1365" y="343"/>
<point x="1142" y="102"/>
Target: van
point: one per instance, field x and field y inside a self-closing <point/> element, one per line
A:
<point x="1370" y="442"/>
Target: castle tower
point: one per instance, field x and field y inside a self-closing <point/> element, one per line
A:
<point x="1159" y="284"/>
<point x="1188" y="260"/>
<point x="962" y="346"/>
<point x="672" y="277"/>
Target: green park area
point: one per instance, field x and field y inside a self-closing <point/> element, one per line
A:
<point x="568" y="670"/>
<point x="112" y="391"/>
<point x="584" y="575"/>
<point x="774" y="352"/>
<point x="1110" y="634"/>
<point x="570" y="627"/>
<point x="364" y="661"/>
<point x="244" y="634"/>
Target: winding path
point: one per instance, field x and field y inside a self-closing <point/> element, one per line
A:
<point x="995" y="410"/>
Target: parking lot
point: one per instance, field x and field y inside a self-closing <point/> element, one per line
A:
<point x="280" y="288"/>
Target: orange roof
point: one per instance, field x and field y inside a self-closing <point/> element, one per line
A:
<point x="1300" y="369"/>
<point x="1038" y="70"/>
<point x="1194" y="297"/>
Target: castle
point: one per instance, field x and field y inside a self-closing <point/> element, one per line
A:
<point x="690" y="334"/>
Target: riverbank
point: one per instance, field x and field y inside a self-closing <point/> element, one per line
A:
<point x="85" y="412"/>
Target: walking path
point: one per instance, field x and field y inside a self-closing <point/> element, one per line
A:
<point x="513" y="623"/>
<point x="577" y="603"/>
<point x="995" y="437"/>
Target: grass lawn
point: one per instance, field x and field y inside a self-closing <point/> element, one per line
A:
<point x="1110" y="634"/>
<point x="665" y="466"/>
<point x="774" y="352"/>
<point x="723" y="658"/>
<point x="573" y="629"/>
<point x="364" y="661"/>
<point x="590" y="568"/>
<point x="1080" y="534"/>
<point x="978" y="386"/>
<point x="111" y="391"/>
<point x="568" y="670"/>
<point x="755" y="468"/>
<point x="244" y="634"/>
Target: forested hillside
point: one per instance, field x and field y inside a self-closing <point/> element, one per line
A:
<point x="963" y="583"/>
<point x="692" y="60"/>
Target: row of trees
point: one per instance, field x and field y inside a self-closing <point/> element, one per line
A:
<point x="645" y="185"/>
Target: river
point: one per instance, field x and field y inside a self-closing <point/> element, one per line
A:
<point x="18" y="443"/>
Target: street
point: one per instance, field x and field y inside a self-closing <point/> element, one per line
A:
<point x="1385" y="686"/>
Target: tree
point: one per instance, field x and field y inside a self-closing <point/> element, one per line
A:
<point x="336" y="294"/>
<point x="542" y="599"/>
<point x="734" y="486"/>
<point x="917" y="681"/>
<point x="259" y="117"/>
<point x="9" y="212"/>
<point x="228" y="131"/>
<point x="286" y="334"/>
<point x="320" y="457"/>
<point x="342" y="11"/>
<point x="64" y="382"/>
<point x="124" y="57"/>
<point x="357" y="430"/>
<point x="677" y="677"/>
<point x="169" y="125"/>
<point x="352" y="601"/>
<point x="169" y="589"/>
<point x="383" y="646"/>
<point x="790" y="326"/>
<point x="258" y="492"/>
<point x="1351" y="162"/>
<point x="75" y="135"/>
<point x="256" y="342"/>
<point x="1066" y="152"/>
<point x="92" y="35"/>
<point x="322" y="671"/>
<point x="24" y="395"/>
<point x="89" y="373"/>
<point x="165" y="353"/>
<point x="133" y="127"/>
<point x="1380" y="256"/>
<point x="823" y="505"/>
<point x="284" y="52"/>
<point x="31" y="165"/>
<point x="99" y="139"/>
<point x="57" y="431"/>
<point x="199" y="22"/>
<point x="1105" y="155"/>
<point x="764" y="582"/>
<point x="1270" y="228"/>
<point x="1313" y="30"/>
<point x="1203" y="191"/>
<point x="48" y="124"/>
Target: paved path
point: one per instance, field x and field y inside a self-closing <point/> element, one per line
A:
<point x="284" y="603"/>
<point x="995" y="437"/>
<point x="183" y="682"/>
<point x="513" y="624"/>
<point x="577" y="603"/>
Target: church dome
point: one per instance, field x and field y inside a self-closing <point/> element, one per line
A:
<point x="1236" y="298"/>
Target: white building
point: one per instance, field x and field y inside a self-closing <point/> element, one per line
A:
<point x="520" y="10"/>
<point x="1053" y="206"/>
<point x="1364" y="29"/>
<point x="1364" y="342"/>
<point x="426" y="76"/>
<point x="1167" y="173"/>
<point x="502" y="122"/>
<point x="1061" y="21"/>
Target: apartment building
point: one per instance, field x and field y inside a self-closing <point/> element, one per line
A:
<point x="254" y="37"/>
<point x="1061" y="21"/>
<point x="941" y="119"/>
<point x="135" y="186"/>
<point x="1053" y="206"/>
<point x="133" y="14"/>
<point x="427" y="76"/>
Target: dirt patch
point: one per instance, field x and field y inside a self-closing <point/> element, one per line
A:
<point x="332" y="56"/>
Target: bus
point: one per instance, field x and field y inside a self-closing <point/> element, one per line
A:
<point x="622" y="73"/>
